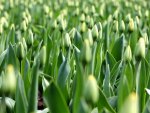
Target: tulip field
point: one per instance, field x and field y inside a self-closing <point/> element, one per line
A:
<point x="74" y="56"/>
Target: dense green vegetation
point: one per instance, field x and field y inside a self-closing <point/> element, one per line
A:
<point x="74" y="56"/>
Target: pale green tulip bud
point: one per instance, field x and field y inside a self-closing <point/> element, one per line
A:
<point x="115" y="26"/>
<point x="128" y="17"/>
<point x="91" y="24"/>
<point x="82" y="18"/>
<point x="137" y="21"/>
<point x="131" y="25"/>
<point x="72" y="33"/>
<point x="140" y="49"/>
<point x="89" y="37"/>
<point x="46" y="9"/>
<point x="95" y="32"/>
<point x="145" y="36"/>
<point x="86" y="52"/>
<point x="91" y="92"/>
<point x="24" y="25"/>
<point x="20" y="51"/>
<point x="30" y="38"/>
<point x="9" y="80"/>
<point x="67" y="41"/>
<point x="24" y="44"/>
<point x="42" y="56"/>
<point x="100" y="29"/>
<point x="83" y="27"/>
<point x="122" y="26"/>
<point x="147" y="13"/>
<point x="130" y="105"/>
<point x="1" y="28"/>
<point x="128" y="54"/>
<point x="62" y="24"/>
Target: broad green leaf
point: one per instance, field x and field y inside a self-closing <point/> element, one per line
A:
<point x="118" y="48"/>
<point x="55" y="100"/>
<point x="103" y="103"/>
<point x="63" y="74"/>
<point x="34" y="88"/>
<point x="21" y="99"/>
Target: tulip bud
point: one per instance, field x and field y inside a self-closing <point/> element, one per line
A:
<point x="1" y="28"/>
<point x="42" y="56"/>
<point x="9" y="80"/>
<point x="131" y="25"/>
<point x="46" y="9"/>
<point x="130" y="105"/>
<point x="115" y="26"/>
<point x="128" y="17"/>
<point x="122" y="26"/>
<point x="62" y="24"/>
<point x="24" y="25"/>
<point x="82" y="18"/>
<point x="91" y="92"/>
<point x="83" y="27"/>
<point x="140" y="49"/>
<point x="24" y="44"/>
<point x="128" y="54"/>
<point x="95" y="32"/>
<point x="89" y="37"/>
<point x="30" y="38"/>
<point x="100" y="29"/>
<point x="137" y="21"/>
<point x="20" y="51"/>
<point x="146" y="39"/>
<point x="86" y="52"/>
<point x="67" y="42"/>
<point x="72" y="33"/>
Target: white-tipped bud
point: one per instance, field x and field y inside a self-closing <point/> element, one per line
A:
<point x="128" y="54"/>
<point x="145" y="36"/>
<point x="115" y="26"/>
<point x="122" y="26"/>
<point x="95" y="32"/>
<point x="86" y="52"/>
<point x="24" y="25"/>
<point x="140" y="49"/>
<point x="67" y="41"/>
<point x="82" y="18"/>
<point x="89" y="37"/>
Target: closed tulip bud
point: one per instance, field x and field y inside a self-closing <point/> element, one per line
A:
<point x="130" y="105"/>
<point x="95" y="32"/>
<point x="24" y="44"/>
<point x="140" y="49"/>
<point x="46" y="9"/>
<point x="67" y="41"/>
<point x="42" y="56"/>
<point x="146" y="39"/>
<point x="146" y="13"/>
<point x="82" y="18"/>
<point x="88" y="19"/>
<point x="128" y="54"/>
<point x="137" y="21"/>
<point x="100" y="29"/>
<point x="91" y="92"/>
<point x="115" y="26"/>
<point x="62" y="24"/>
<point x="86" y="52"/>
<point x="131" y="25"/>
<point x="54" y="24"/>
<point x="24" y="25"/>
<point x="122" y="26"/>
<point x="91" y="24"/>
<point x="89" y="37"/>
<point x="1" y="28"/>
<point x="83" y="27"/>
<point x="9" y="80"/>
<point x="128" y="17"/>
<point x="20" y="51"/>
<point x="72" y="33"/>
<point x="30" y="38"/>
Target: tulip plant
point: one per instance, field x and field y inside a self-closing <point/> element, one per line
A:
<point x="74" y="56"/>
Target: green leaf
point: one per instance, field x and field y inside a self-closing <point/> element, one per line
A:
<point x="103" y="103"/>
<point x="54" y="100"/>
<point x="147" y="108"/>
<point x="118" y="48"/>
<point x="21" y="99"/>
<point x="34" y="88"/>
<point x="63" y="74"/>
